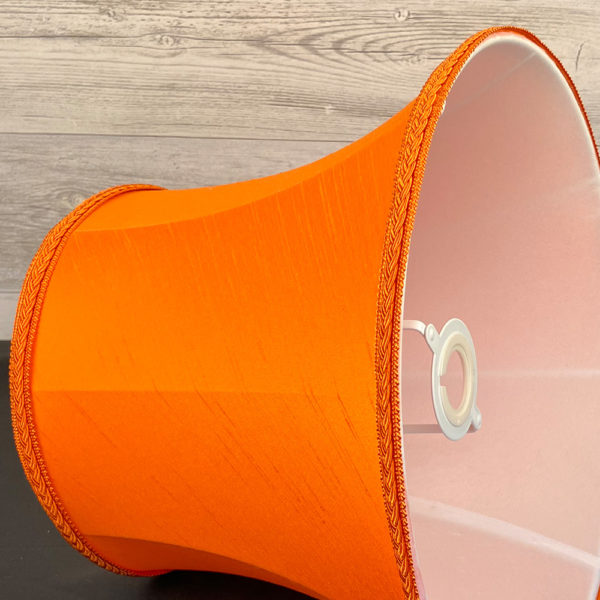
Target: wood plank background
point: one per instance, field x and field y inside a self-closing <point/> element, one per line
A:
<point x="191" y="93"/>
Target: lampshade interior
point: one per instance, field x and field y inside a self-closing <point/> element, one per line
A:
<point x="507" y="238"/>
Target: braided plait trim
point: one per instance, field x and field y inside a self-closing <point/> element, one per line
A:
<point x="409" y="174"/>
<point x="26" y="323"/>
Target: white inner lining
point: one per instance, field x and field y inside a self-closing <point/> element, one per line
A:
<point x="507" y="238"/>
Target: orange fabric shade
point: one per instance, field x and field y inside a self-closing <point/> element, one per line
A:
<point x="210" y="378"/>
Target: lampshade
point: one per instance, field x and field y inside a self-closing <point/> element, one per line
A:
<point x="306" y="379"/>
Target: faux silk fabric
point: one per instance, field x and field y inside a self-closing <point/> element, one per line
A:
<point x="209" y="378"/>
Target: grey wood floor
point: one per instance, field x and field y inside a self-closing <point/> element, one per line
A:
<point x="192" y="93"/>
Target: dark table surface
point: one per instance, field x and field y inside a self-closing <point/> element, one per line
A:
<point x="35" y="562"/>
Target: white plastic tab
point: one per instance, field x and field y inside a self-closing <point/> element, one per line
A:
<point x="454" y="337"/>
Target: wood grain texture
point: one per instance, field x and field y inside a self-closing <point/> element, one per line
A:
<point x="262" y="70"/>
<point x="186" y="94"/>
<point x="59" y="172"/>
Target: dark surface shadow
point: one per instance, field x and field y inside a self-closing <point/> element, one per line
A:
<point x="35" y="562"/>
<point x="215" y="586"/>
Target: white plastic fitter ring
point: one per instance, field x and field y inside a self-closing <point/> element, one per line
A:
<point x="454" y="337"/>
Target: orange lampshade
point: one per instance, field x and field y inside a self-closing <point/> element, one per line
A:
<point x="240" y="378"/>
